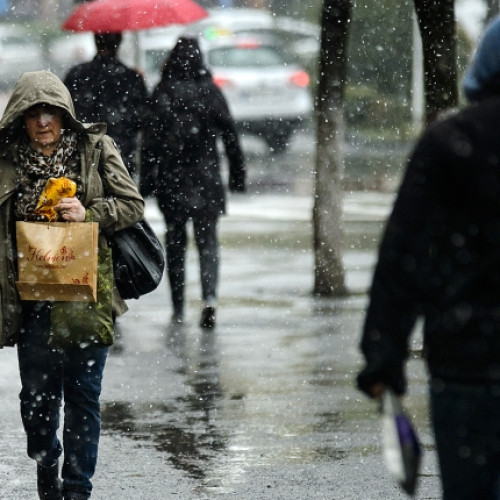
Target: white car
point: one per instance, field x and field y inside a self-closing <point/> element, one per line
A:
<point x="266" y="89"/>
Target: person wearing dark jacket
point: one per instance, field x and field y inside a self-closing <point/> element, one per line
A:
<point x="181" y="166"/>
<point x="440" y="259"/>
<point x="105" y="90"/>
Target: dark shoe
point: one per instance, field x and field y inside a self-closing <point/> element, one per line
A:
<point x="207" y="319"/>
<point x="48" y="483"/>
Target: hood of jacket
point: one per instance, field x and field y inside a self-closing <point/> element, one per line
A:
<point x="482" y="78"/>
<point x="185" y="61"/>
<point x="39" y="87"/>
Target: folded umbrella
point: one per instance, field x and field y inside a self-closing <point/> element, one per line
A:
<point x="400" y="443"/>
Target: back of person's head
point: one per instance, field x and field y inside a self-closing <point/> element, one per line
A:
<point x="185" y="62"/>
<point x="482" y="78"/>
<point x="108" y="42"/>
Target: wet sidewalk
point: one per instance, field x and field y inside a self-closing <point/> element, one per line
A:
<point x="262" y="407"/>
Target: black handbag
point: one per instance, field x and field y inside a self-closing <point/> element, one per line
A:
<point x="138" y="259"/>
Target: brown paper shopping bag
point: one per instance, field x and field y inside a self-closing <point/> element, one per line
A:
<point x="57" y="261"/>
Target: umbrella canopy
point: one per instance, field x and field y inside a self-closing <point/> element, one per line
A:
<point x="113" y="16"/>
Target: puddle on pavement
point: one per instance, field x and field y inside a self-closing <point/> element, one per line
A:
<point x="187" y="449"/>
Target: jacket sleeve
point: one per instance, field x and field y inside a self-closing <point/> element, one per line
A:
<point x="122" y="205"/>
<point x="400" y="283"/>
<point x="229" y="135"/>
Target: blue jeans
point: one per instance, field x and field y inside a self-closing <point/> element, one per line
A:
<point x="466" y="422"/>
<point x="48" y="375"/>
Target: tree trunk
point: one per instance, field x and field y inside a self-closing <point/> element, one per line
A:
<point x="327" y="212"/>
<point x="436" y="20"/>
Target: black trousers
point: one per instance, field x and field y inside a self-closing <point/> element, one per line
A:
<point x="466" y="421"/>
<point x="205" y="236"/>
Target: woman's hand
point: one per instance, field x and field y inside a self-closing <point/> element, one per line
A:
<point x="71" y="210"/>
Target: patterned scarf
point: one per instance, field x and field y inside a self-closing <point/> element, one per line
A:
<point x="34" y="169"/>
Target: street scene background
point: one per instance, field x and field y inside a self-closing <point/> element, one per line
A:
<point x="265" y="405"/>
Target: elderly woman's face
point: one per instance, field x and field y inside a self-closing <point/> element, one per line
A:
<point x="44" y="127"/>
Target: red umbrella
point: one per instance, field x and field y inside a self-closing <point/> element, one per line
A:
<point x="113" y="16"/>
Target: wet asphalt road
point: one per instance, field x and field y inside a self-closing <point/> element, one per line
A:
<point x="263" y="406"/>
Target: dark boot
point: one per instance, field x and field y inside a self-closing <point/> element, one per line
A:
<point x="48" y="482"/>
<point x="207" y="319"/>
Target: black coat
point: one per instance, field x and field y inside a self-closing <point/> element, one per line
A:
<point x="181" y="163"/>
<point x="440" y="257"/>
<point x="105" y="90"/>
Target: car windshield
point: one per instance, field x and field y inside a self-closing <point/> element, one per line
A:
<point x="246" y="57"/>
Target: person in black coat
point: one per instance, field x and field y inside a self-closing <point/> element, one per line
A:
<point x="181" y="166"/>
<point x="440" y="259"/>
<point x="105" y="90"/>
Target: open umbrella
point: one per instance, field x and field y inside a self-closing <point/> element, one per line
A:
<point x="113" y="16"/>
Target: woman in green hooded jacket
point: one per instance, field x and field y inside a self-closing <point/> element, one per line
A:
<point x="40" y="138"/>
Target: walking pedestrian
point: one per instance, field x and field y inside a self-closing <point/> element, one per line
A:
<point x="105" y="90"/>
<point x="188" y="113"/>
<point x="40" y="138"/>
<point x="439" y="259"/>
